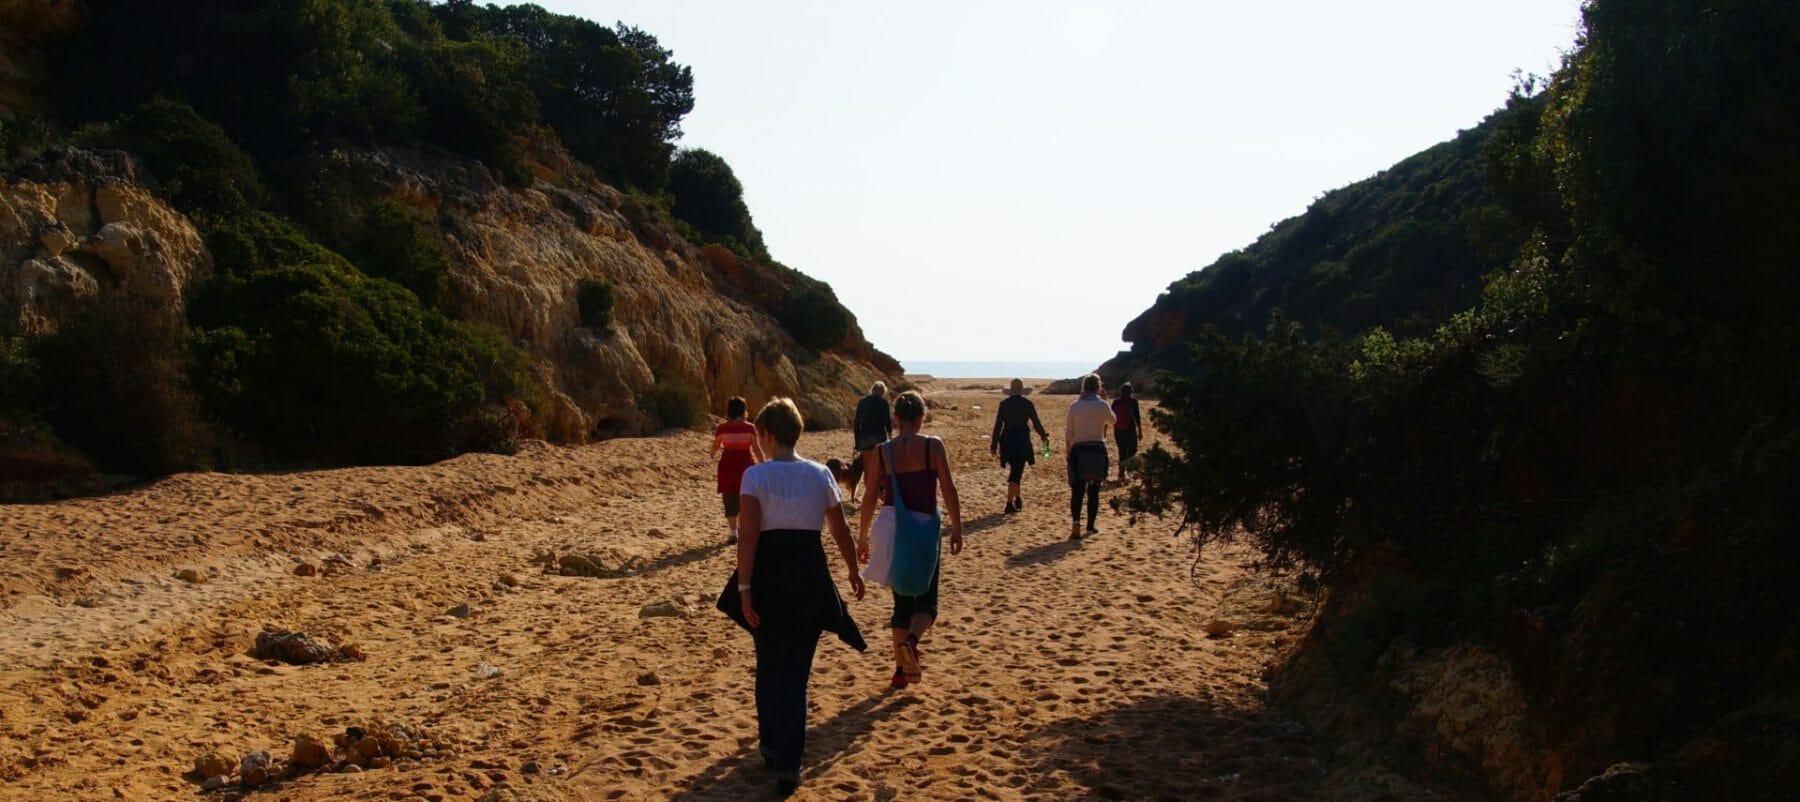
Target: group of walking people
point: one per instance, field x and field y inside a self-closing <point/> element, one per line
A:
<point x="780" y="505"/>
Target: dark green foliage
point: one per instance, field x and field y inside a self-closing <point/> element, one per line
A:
<point x="1405" y="249"/>
<point x="709" y="198"/>
<point x="297" y="349"/>
<point x="201" y="169"/>
<point x="612" y="95"/>
<point x="1604" y="444"/>
<point x="22" y="138"/>
<point x="812" y="314"/>
<point x="395" y="246"/>
<point x="285" y="78"/>
<point x="677" y="405"/>
<point x="19" y="378"/>
<point x="594" y="299"/>
<point x="113" y="383"/>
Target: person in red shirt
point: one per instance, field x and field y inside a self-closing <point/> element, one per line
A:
<point x="735" y="439"/>
<point x="1128" y="427"/>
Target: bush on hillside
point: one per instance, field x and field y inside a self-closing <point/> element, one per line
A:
<point x="114" y="384"/>
<point x="306" y="355"/>
<point x="594" y="299"/>
<point x="678" y="405"/>
<point x="201" y="170"/>
<point x="709" y="198"/>
<point x="396" y="247"/>
<point x="813" y="315"/>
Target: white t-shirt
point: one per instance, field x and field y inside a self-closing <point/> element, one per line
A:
<point x="793" y="494"/>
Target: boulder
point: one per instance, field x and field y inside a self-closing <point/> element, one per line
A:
<point x="310" y="754"/>
<point x="212" y="764"/>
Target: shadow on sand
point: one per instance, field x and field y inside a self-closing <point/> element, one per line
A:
<point x="1178" y="748"/>
<point x="741" y="775"/>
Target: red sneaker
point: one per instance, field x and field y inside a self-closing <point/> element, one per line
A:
<point x="899" y="680"/>
<point x="908" y="654"/>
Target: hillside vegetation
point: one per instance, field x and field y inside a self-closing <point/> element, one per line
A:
<point x="1557" y="527"/>
<point x="332" y="327"/>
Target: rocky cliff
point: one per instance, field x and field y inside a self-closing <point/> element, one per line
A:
<point x="76" y="224"/>
<point x="684" y="317"/>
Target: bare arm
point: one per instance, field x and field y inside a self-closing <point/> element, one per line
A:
<point x="947" y="488"/>
<point x="756" y="454"/>
<point x="871" y="499"/>
<point x="718" y="444"/>
<point x="840" y="532"/>
<point x="749" y="531"/>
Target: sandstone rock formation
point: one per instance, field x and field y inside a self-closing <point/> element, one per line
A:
<point x="687" y="321"/>
<point x="684" y="317"/>
<point x="78" y="223"/>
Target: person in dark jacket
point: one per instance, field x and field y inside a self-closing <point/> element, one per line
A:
<point x="1011" y="439"/>
<point x="873" y="425"/>
<point x="1127" y="427"/>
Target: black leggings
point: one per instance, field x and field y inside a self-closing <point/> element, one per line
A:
<point x="1077" y="486"/>
<point x="905" y="607"/>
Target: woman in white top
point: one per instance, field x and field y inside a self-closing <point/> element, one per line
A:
<point x="784" y="587"/>
<point x="1084" y="440"/>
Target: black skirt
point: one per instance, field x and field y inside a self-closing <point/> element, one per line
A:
<point x="1015" y="447"/>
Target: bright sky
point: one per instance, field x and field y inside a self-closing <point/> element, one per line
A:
<point x="1018" y="179"/>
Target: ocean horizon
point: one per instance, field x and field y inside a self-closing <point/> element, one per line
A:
<point x="999" y="369"/>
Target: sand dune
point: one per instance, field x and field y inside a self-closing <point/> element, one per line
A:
<point x="1059" y="669"/>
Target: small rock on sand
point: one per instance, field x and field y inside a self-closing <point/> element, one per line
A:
<point x="192" y="576"/>
<point x="1219" y="628"/>
<point x="254" y="769"/>
<point x="461" y="611"/>
<point x="306" y="569"/>
<point x="662" y="609"/>
<point x="649" y="678"/>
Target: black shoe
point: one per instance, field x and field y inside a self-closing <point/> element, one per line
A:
<point x="1019" y="503"/>
<point x="1011" y="508"/>
<point x="786" y="786"/>
<point x="1091" y="530"/>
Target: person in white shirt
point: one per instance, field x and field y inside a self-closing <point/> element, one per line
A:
<point x="785" y="594"/>
<point x="1084" y="440"/>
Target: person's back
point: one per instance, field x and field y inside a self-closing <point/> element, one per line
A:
<point x="874" y="420"/>
<point x="1088" y="418"/>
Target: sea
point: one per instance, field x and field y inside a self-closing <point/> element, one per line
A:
<point x="945" y="369"/>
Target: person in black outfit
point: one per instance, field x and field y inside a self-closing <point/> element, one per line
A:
<point x="873" y="425"/>
<point x="1011" y="439"/>
<point x="1126" y="430"/>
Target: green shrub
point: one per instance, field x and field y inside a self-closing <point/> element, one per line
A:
<point x="19" y="377"/>
<point x="709" y="197"/>
<point x="677" y="405"/>
<point x="394" y="246"/>
<point x="812" y="314"/>
<point x="594" y="299"/>
<point x="201" y="169"/>
<point x="115" y="386"/>
<point x="307" y="356"/>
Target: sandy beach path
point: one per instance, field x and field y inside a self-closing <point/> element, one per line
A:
<point x="1059" y="669"/>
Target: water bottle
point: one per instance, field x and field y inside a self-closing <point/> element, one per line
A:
<point x="1046" y="448"/>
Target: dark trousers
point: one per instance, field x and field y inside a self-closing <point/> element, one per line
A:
<point x="783" y="666"/>
<point x="1077" y="487"/>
